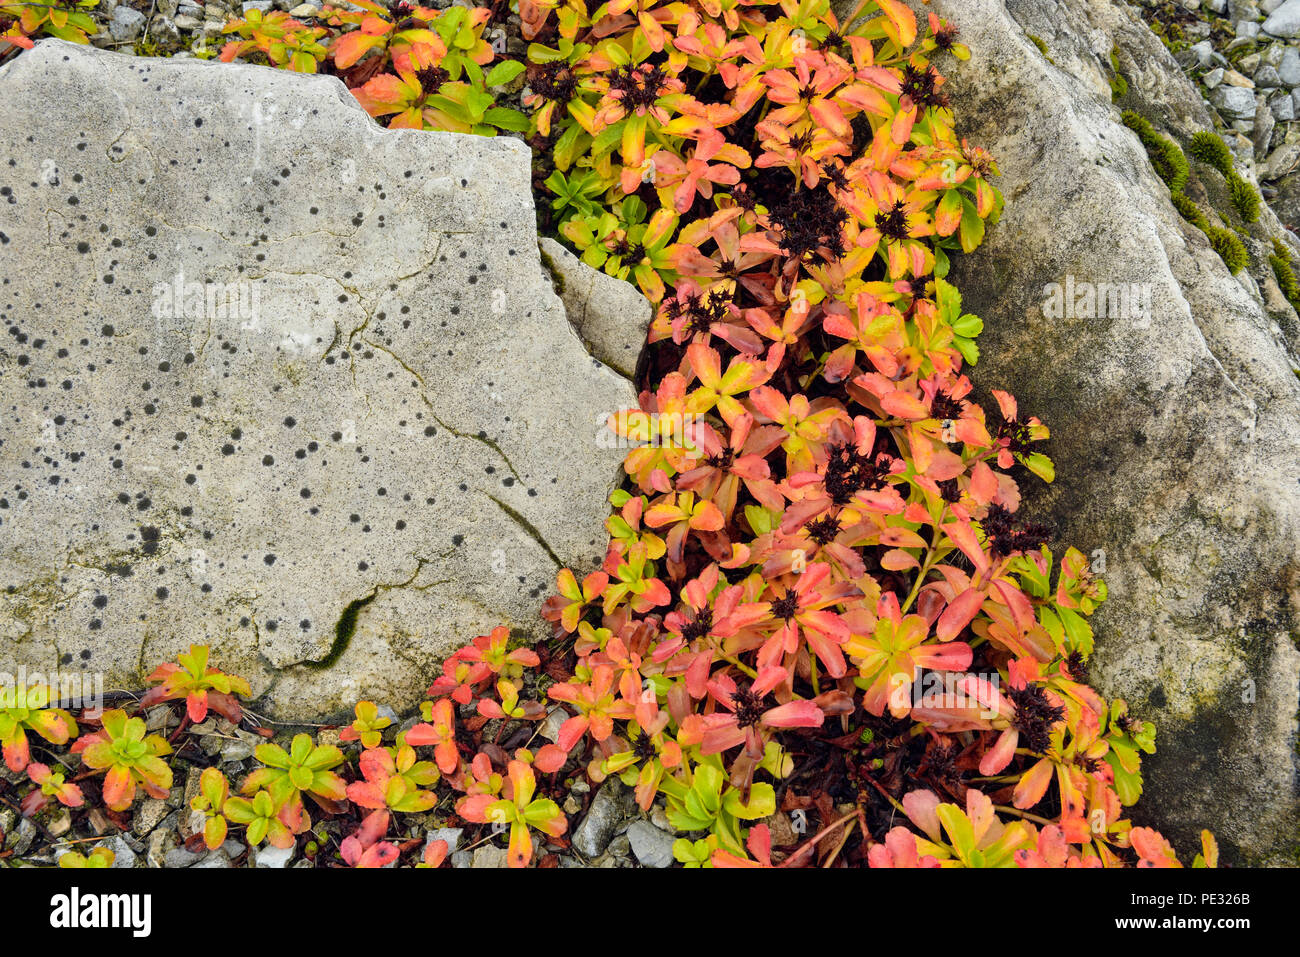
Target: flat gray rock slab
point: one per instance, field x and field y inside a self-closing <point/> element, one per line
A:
<point x="276" y="379"/>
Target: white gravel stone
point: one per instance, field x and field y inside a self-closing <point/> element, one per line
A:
<point x="1234" y="102"/>
<point x="1284" y="21"/>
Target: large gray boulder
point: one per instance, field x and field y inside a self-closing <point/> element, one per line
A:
<point x="278" y="380"/>
<point x="1175" y="430"/>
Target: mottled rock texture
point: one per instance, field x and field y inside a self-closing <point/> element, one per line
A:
<point x="277" y="380"/>
<point x="611" y="315"/>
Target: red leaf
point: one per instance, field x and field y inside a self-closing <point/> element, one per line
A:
<point x="959" y="613"/>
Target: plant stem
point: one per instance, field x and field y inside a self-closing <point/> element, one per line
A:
<point x="812" y="841"/>
<point x="717" y="650"/>
<point x="1025" y="814"/>
<point x="931" y="558"/>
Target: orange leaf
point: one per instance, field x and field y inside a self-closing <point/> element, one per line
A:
<point x="1033" y="785"/>
<point x="902" y="18"/>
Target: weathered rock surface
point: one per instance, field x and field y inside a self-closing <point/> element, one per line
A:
<point x="278" y="380"/>
<point x="1285" y="20"/>
<point x="611" y="315"/>
<point x="652" y="847"/>
<point x="596" y="830"/>
<point x="1176" y="433"/>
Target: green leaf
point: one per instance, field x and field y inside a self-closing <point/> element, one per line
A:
<point x="607" y="139"/>
<point x="1052" y="625"/>
<point x="1128" y="785"/>
<point x="685" y="822"/>
<point x="760" y="519"/>
<point x="961" y="834"/>
<point x="948" y="299"/>
<point x="466" y="39"/>
<point x="1078" y="633"/>
<point x="540" y="54"/>
<point x="968" y="326"/>
<point x="969" y="351"/>
<point x="1126" y="754"/>
<point x="691" y="853"/>
<point x="479" y="102"/>
<point x="457" y="111"/>
<point x="1146" y="738"/>
<point x="1040" y="465"/>
<point x="761" y="803"/>
<point x="941" y="264"/>
<point x="301" y="778"/>
<point x="972" y="226"/>
<point x="324" y="757"/>
<point x="272" y="755"/>
<point x="503" y="73"/>
<point x="504" y="118"/>
<point x="541" y="811"/>
<point x="567" y="145"/>
<point x="708" y="787"/>
<point x="695" y="807"/>
<point x="633" y="210"/>
<point x="619" y="528"/>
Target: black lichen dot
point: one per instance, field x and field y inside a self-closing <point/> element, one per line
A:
<point x="269" y="559"/>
